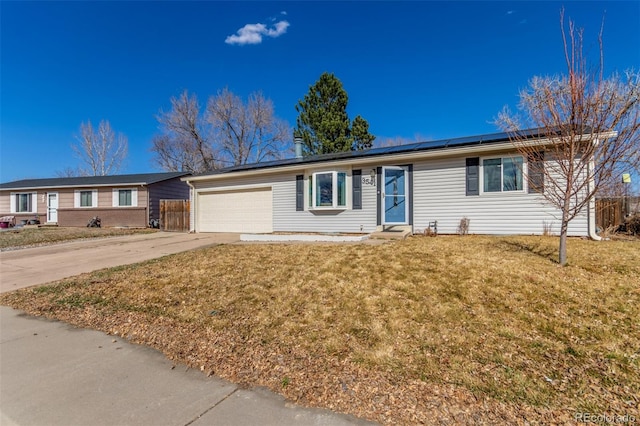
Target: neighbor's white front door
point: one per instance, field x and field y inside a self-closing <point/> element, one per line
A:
<point x="52" y="207"/>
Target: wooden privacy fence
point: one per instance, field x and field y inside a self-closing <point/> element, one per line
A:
<point x="174" y="215"/>
<point x="609" y="212"/>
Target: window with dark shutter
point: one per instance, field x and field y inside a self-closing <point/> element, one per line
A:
<point x="356" y="180"/>
<point x="299" y="193"/>
<point x="535" y="170"/>
<point x="473" y="174"/>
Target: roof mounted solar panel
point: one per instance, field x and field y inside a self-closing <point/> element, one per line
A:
<point x="397" y="149"/>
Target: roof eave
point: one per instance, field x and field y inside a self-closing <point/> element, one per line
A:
<point x="102" y="185"/>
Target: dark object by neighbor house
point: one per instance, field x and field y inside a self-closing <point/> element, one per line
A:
<point x="95" y="222"/>
<point x="120" y="200"/>
<point x="7" y="221"/>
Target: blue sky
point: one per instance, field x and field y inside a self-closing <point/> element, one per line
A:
<point x="413" y="70"/>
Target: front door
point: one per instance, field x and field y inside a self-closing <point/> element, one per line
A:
<point x="52" y="207"/>
<point x="395" y="204"/>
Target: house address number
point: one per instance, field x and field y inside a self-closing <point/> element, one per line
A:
<point x="368" y="180"/>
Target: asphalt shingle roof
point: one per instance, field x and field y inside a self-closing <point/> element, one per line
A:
<point x="144" y="179"/>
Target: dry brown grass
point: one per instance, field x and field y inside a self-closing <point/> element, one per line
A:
<point x="28" y="237"/>
<point x="464" y="330"/>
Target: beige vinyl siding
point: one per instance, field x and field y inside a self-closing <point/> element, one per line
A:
<point x="5" y="202"/>
<point x="105" y="197"/>
<point x="66" y="197"/>
<point x="439" y="194"/>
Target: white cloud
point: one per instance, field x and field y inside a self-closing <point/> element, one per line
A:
<point x="253" y="33"/>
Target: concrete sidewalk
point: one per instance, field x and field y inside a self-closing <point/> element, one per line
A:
<point x="54" y="374"/>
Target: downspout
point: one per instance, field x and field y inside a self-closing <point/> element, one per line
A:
<point x="192" y="192"/>
<point x="591" y="207"/>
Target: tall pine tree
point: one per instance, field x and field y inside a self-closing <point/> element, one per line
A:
<point x="323" y="122"/>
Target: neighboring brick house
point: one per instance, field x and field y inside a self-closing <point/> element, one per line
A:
<point x="119" y="200"/>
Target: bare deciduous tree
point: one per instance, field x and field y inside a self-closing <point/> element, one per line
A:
<point x="246" y="133"/>
<point x="229" y="132"/>
<point x="69" y="172"/>
<point x="184" y="144"/>
<point x="592" y="125"/>
<point x="101" y="150"/>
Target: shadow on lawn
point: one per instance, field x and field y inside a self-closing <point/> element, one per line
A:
<point x="541" y="248"/>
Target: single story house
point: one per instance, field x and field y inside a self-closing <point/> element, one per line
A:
<point x="407" y="187"/>
<point x="119" y="200"/>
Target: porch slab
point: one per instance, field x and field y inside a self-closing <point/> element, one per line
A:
<point x="399" y="234"/>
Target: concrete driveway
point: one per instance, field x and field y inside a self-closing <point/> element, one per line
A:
<point x="39" y="265"/>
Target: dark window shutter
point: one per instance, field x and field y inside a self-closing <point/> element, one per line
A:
<point x="299" y="193"/>
<point x="473" y="172"/>
<point x="356" y="180"/>
<point x="379" y="186"/>
<point x="535" y="171"/>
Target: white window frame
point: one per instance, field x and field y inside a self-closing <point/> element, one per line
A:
<point x="334" y="185"/>
<point x="34" y="202"/>
<point x="523" y="172"/>
<point x="116" y="197"/>
<point x="77" y="198"/>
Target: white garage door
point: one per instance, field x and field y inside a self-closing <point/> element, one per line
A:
<point x="235" y="211"/>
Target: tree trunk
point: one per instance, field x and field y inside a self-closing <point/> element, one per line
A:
<point x="562" y="258"/>
<point x="564" y="228"/>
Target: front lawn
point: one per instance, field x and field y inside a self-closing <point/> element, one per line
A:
<point x="458" y="329"/>
<point x="29" y="237"/>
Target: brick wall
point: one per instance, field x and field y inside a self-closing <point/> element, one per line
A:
<point x="134" y="217"/>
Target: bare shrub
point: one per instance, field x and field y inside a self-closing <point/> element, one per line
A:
<point x="547" y="228"/>
<point x="608" y="232"/>
<point x="632" y="223"/>
<point x="432" y="229"/>
<point x="463" y="227"/>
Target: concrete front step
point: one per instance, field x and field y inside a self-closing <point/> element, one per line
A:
<point x="399" y="234"/>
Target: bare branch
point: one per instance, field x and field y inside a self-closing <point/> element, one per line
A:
<point x="101" y="150"/>
<point x="229" y="132"/>
<point x="185" y="143"/>
<point x="246" y="133"/>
